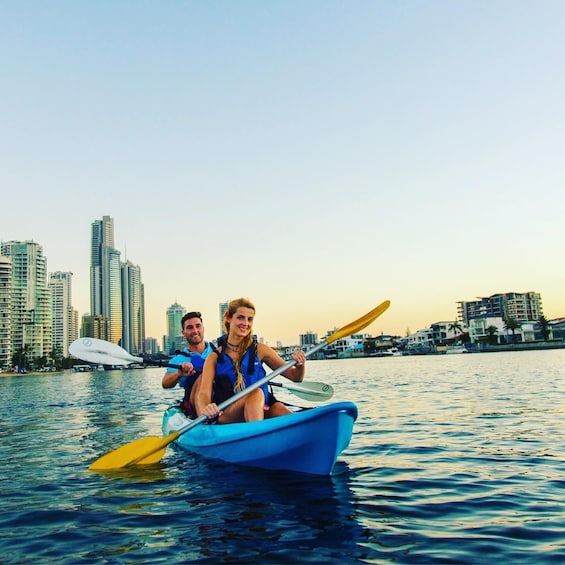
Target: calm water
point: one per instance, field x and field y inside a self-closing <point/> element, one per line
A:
<point x="454" y="459"/>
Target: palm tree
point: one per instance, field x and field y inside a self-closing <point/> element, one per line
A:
<point x="20" y="357"/>
<point x="56" y="356"/>
<point x="492" y="335"/>
<point x="40" y="362"/>
<point x="455" y="327"/>
<point x="512" y="325"/>
<point x="545" y="330"/>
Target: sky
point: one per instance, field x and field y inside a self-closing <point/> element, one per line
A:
<point x="317" y="157"/>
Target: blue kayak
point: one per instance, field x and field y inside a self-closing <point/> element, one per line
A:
<point x="308" y="441"/>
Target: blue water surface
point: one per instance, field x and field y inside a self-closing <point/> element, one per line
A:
<point x="454" y="459"/>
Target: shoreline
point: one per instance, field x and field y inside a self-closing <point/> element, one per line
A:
<point x="489" y="349"/>
<point x="31" y="373"/>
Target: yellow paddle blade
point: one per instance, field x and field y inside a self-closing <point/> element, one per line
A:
<point x="144" y="451"/>
<point x="361" y="323"/>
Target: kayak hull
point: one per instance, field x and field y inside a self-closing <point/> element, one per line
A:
<point x="308" y="441"/>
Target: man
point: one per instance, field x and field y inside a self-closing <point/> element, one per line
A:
<point x="190" y="361"/>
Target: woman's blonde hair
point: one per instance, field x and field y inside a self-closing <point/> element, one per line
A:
<point x="247" y="340"/>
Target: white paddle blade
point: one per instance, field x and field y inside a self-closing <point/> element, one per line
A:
<point x="316" y="392"/>
<point x="322" y="391"/>
<point x="99" y="351"/>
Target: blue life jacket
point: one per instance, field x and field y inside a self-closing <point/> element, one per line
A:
<point x="226" y="375"/>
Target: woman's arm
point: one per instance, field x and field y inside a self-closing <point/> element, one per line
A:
<point x="273" y="360"/>
<point x="204" y="396"/>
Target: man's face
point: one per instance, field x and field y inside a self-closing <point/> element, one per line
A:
<point x="193" y="331"/>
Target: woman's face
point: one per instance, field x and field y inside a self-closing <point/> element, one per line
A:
<point x="241" y="322"/>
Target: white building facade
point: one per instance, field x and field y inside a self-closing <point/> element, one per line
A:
<point x="30" y="309"/>
<point x="5" y="312"/>
<point x="65" y="318"/>
<point x="133" y="326"/>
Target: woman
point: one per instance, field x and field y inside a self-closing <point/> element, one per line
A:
<point x="238" y="363"/>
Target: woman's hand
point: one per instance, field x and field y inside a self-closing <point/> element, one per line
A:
<point x="211" y="411"/>
<point x="299" y="357"/>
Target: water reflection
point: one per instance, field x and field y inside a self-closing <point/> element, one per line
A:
<point x="121" y="406"/>
<point x="298" y="517"/>
<point x="136" y="473"/>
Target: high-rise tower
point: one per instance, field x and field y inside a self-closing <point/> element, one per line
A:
<point x="5" y="311"/>
<point x="105" y="277"/>
<point x="31" y="300"/>
<point x="175" y="312"/>
<point x="132" y="309"/>
<point x="223" y="308"/>
<point x="65" y="317"/>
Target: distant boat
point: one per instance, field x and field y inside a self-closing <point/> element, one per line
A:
<point x="82" y="368"/>
<point x="456" y="349"/>
<point x="390" y="352"/>
<point x="419" y="349"/>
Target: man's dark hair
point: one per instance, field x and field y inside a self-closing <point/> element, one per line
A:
<point x="189" y="315"/>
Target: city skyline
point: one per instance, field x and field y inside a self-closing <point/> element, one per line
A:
<point x="318" y="158"/>
<point x="106" y="225"/>
<point x="513" y="306"/>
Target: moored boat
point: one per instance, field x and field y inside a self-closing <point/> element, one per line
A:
<point x="456" y="349"/>
<point x="307" y="441"/>
<point x="82" y="368"/>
